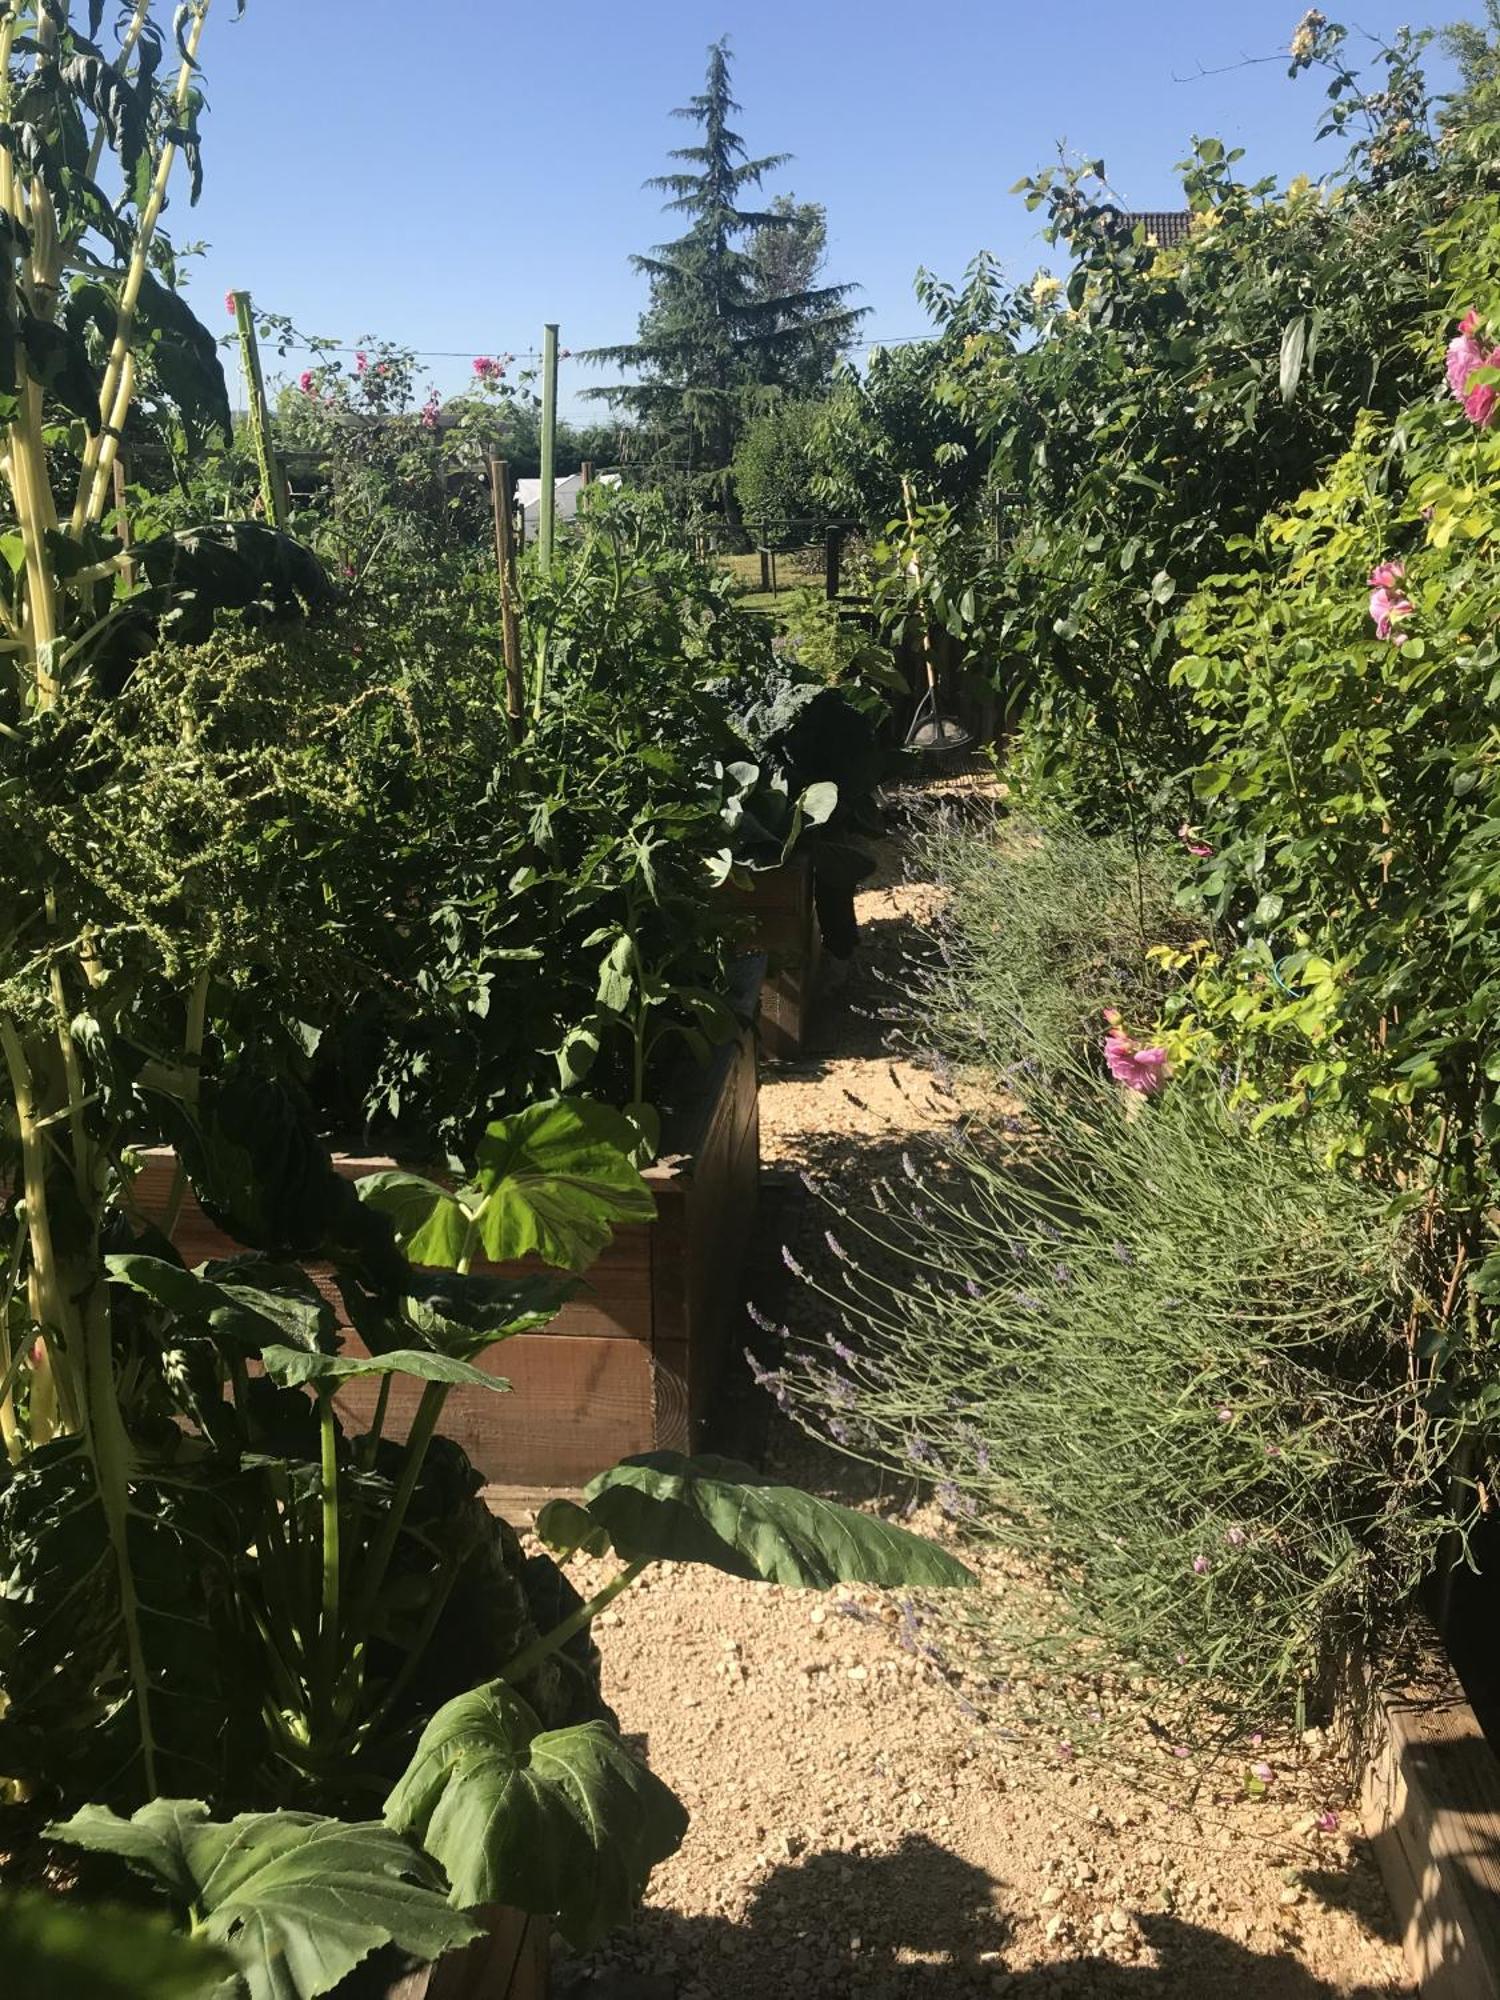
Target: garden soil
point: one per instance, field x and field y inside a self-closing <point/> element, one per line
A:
<point x="868" y="1818"/>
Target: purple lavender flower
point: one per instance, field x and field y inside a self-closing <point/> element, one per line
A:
<point x="1027" y="1301"/>
<point x="1063" y="1273"/>
<point x="760" y="1319"/>
<point x="842" y="1353"/>
<point x="841" y="1390"/>
<point x="791" y="1263"/>
<point x="909" y="1166"/>
<point x="973" y="1287"/>
<point x="1123" y="1253"/>
<point x="918" y="1450"/>
<point x="1201" y="1565"/>
<point x="835" y="1246"/>
<point x="838" y="1430"/>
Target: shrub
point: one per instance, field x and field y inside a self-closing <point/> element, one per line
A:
<point x="1158" y="1355"/>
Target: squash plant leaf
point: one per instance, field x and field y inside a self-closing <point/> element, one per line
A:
<point x="297" y="1900"/>
<point x="70" y="1950"/>
<point x="556" y="1180"/>
<point x="430" y="1223"/>
<point x="291" y="1368"/>
<point x="563" y="1823"/>
<point x="715" y="1511"/>
<point x="450" y="1312"/>
<point x="243" y="1302"/>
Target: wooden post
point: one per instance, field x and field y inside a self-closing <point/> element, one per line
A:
<point x="123" y="514"/>
<point x="833" y="546"/>
<point x="765" y="569"/>
<point x="272" y="483"/>
<point x="547" y="519"/>
<point x="586" y="473"/>
<point x="503" y="496"/>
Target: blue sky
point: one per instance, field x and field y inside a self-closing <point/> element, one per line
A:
<point x="369" y="173"/>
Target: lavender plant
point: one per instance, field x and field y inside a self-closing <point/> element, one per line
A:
<point x="1160" y="1357"/>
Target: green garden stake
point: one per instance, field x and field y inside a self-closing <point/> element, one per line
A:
<point x="547" y="521"/>
<point x="272" y="481"/>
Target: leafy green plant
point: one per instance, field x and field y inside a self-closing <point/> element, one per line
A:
<point x="1163" y="1357"/>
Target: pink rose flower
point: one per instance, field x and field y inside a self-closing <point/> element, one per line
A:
<point x="1466" y="352"/>
<point x="230" y="305"/>
<point x="1388" y="602"/>
<point x="305" y="381"/>
<point x="1199" y="849"/>
<point x="487" y="368"/>
<point x="1143" y="1070"/>
<point x="361" y="363"/>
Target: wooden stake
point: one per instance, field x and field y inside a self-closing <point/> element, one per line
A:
<point x="833" y="545"/>
<point x="122" y="514"/>
<point x="502" y="493"/>
<point x="547" y="518"/>
<point x="272" y="481"/>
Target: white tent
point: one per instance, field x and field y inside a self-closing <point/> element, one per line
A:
<point x="529" y="493"/>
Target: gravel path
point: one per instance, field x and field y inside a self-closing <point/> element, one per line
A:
<point x="863" y="1825"/>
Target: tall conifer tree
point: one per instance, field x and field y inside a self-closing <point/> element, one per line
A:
<point x="713" y="345"/>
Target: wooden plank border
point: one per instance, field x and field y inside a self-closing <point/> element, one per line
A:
<point x="1431" y="1801"/>
<point x="779" y="903"/>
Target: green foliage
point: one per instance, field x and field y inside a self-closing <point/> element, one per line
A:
<point x="297" y="1901"/>
<point x="774" y="466"/>
<point x="555" y="1180"/>
<point x="664" y="1507"/>
<point x="72" y="1951"/>
<point x="1160" y="1356"/>
<point x="562" y="1823"/>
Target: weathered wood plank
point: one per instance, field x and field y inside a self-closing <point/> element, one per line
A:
<point x="511" y="1962"/>
<point x="779" y="904"/>
<point x="1432" y="1807"/>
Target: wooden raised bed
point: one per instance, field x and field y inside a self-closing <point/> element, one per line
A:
<point x="513" y="1962"/>
<point x="629" y="1364"/>
<point x="1432" y="1809"/>
<point x="779" y="902"/>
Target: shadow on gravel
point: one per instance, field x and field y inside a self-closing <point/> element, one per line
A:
<point x="918" y="1923"/>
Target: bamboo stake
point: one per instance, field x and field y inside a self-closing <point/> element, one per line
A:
<point x="272" y="480"/>
<point x="547" y="521"/>
<point x="119" y="374"/>
<point x="122" y="513"/>
<point x="503" y="497"/>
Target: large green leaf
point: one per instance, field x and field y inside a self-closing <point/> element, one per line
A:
<point x="243" y="1301"/>
<point x="298" y="1900"/>
<point x="563" y="1823"/>
<point x="556" y="1180"/>
<point x="291" y="1367"/>
<point x="69" y="1950"/>
<point x="715" y="1511"/>
<point x="463" y="1315"/>
<point x="430" y="1223"/>
<point x="448" y="1312"/>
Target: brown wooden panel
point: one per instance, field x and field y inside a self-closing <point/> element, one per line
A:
<point x="1432" y="1805"/>
<point x="785" y="927"/>
<point x="575" y="1407"/>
